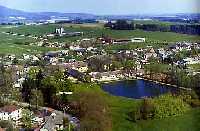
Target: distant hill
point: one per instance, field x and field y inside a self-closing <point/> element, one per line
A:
<point x="10" y="15"/>
<point x="7" y="13"/>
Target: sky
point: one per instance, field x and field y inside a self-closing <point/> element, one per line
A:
<point x="103" y="7"/>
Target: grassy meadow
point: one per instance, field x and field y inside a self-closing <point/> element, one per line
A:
<point x="156" y="39"/>
<point x="120" y="108"/>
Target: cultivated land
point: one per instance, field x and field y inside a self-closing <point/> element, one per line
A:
<point x="98" y="31"/>
<point x="156" y="39"/>
<point x="12" y="44"/>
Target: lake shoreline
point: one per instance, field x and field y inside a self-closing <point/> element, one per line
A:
<point x="162" y="83"/>
<point x="137" y="88"/>
<point x="150" y="80"/>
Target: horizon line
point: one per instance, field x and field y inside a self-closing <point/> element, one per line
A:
<point x="97" y="14"/>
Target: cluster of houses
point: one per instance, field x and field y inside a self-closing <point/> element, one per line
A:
<point x="64" y="59"/>
<point x="15" y="115"/>
<point x="108" y="40"/>
<point x="45" y="119"/>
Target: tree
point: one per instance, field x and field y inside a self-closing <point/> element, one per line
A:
<point x="33" y="72"/>
<point x="121" y="25"/>
<point x="27" y="117"/>
<point x="181" y="55"/>
<point x="87" y="78"/>
<point x="194" y="52"/>
<point x="151" y="69"/>
<point x="116" y="65"/>
<point x="36" y="98"/>
<point x="48" y="89"/>
<point x="129" y="66"/>
<point x="93" y="111"/>
<point x="98" y="63"/>
<point x="6" y="76"/>
<point x="16" y="95"/>
<point x="15" y="61"/>
<point x="7" y="125"/>
<point x="65" y="122"/>
<point x="27" y="86"/>
<point x="54" y="84"/>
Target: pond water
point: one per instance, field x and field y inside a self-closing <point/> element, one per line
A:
<point x="137" y="89"/>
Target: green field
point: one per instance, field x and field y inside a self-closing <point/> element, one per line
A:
<point x="120" y="107"/>
<point x="157" y="22"/>
<point x="10" y="44"/>
<point x="156" y="39"/>
<point x="95" y="31"/>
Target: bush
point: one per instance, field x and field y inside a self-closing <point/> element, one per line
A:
<point x="195" y="103"/>
<point x="168" y="105"/>
<point x="65" y="121"/>
<point x="144" y="111"/>
<point x="7" y="125"/>
<point x="93" y="111"/>
<point x="190" y="98"/>
<point x="147" y="109"/>
<point x="135" y="115"/>
<point x="161" y="107"/>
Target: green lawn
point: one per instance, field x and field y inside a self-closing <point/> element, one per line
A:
<point x="120" y="107"/>
<point x="187" y="122"/>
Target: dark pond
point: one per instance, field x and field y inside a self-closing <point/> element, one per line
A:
<point x="137" y="89"/>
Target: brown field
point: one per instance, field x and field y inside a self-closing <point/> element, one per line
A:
<point x="88" y="25"/>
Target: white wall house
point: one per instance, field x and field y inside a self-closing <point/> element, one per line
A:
<point x="138" y="40"/>
<point x="16" y="115"/>
<point x="60" y="31"/>
<point x="10" y="113"/>
<point x="4" y="116"/>
<point x="149" y="55"/>
<point x="191" y="61"/>
<point x="106" y="76"/>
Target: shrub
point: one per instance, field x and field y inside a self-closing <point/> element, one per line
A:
<point x="93" y="111"/>
<point x="147" y="109"/>
<point x="144" y="111"/>
<point x="135" y="115"/>
<point x="190" y="98"/>
<point x="161" y="107"/>
<point x="65" y="121"/>
<point x="195" y="103"/>
<point x="7" y="125"/>
<point x="168" y="105"/>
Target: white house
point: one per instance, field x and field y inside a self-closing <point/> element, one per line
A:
<point x="191" y="60"/>
<point x="138" y="40"/>
<point x="10" y="113"/>
<point x="106" y="76"/>
<point x="77" y="65"/>
<point x="60" y="31"/>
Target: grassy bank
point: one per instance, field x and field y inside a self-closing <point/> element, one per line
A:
<point x="120" y="107"/>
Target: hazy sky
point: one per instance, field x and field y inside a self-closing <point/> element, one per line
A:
<point x="106" y="6"/>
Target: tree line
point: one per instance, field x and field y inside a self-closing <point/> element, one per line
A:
<point x="192" y="29"/>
